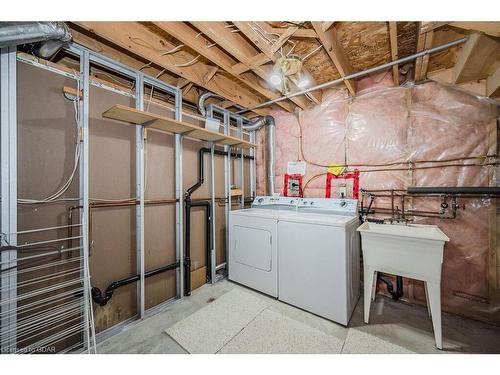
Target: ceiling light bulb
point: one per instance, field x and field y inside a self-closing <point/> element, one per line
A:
<point x="275" y="79"/>
<point x="303" y="82"/>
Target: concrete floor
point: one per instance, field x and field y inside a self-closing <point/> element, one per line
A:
<point x="395" y="327"/>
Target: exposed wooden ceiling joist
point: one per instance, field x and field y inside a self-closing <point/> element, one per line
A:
<point x="269" y="50"/>
<point x="300" y="33"/>
<point x="425" y="41"/>
<point x="104" y="49"/>
<point x="326" y="25"/>
<point x="331" y="42"/>
<point x="393" y="37"/>
<point x="478" y="87"/>
<point x="143" y="42"/>
<point x="188" y="36"/>
<point x="427" y="26"/>
<point x="489" y="28"/>
<point x="475" y="58"/>
<point x="237" y="46"/>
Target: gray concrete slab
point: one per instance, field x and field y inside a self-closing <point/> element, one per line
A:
<point x="395" y="327"/>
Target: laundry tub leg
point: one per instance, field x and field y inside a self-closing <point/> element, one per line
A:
<point x="368" y="289"/>
<point x="427" y="299"/>
<point x="374" y="290"/>
<point x="434" y="291"/>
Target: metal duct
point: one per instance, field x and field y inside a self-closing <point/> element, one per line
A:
<point x="47" y="37"/>
<point x="201" y="101"/>
<point x="255" y="125"/>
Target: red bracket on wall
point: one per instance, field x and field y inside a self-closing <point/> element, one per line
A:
<point x="354" y="175"/>
<point x="293" y="186"/>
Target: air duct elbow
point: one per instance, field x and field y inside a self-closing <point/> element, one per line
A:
<point x="43" y="39"/>
<point x="201" y="101"/>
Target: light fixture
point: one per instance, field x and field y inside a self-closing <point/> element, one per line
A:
<point x="276" y="78"/>
<point x="286" y="69"/>
<point x="303" y="80"/>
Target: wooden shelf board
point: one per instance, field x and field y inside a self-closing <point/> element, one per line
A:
<point x="150" y="120"/>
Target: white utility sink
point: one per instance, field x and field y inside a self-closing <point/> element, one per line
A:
<point x="414" y="251"/>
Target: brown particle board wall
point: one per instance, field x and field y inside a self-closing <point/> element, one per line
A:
<point x="46" y="144"/>
<point x="47" y="137"/>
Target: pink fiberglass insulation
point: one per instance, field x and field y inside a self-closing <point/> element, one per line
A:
<point x="385" y="124"/>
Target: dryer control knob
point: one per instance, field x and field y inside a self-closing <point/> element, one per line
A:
<point x="260" y="200"/>
<point x="343" y="203"/>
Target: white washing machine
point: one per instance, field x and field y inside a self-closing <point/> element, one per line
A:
<point x="253" y="243"/>
<point x="319" y="256"/>
<point x="304" y="251"/>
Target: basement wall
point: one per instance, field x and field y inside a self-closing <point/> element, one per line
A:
<point x="47" y="135"/>
<point x="385" y="124"/>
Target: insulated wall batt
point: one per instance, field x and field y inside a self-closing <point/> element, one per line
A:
<point x="386" y="124"/>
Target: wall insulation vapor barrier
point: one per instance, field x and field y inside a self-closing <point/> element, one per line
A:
<point x="384" y="125"/>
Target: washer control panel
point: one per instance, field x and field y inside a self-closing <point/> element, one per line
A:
<point x="334" y="205"/>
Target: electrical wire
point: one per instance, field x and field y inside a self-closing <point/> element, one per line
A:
<point x="56" y="197"/>
<point x="311" y="53"/>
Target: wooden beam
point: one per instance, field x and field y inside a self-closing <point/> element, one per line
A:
<point x="300" y="33"/>
<point x="475" y="58"/>
<point x="106" y="50"/>
<point x="331" y="42"/>
<point x="422" y="63"/>
<point x="429" y="38"/>
<point x="393" y="38"/>
<point x="210" y="74"/>
<point x="489" y="28"/>
<point x="326" y="25"/>
<point x="242" y="51"/>
<point x="445" y="77"/>
<point x="427" y="26"/>
<point x="493" y="84"/>
<point x="269" y="50"/>
<point x="188" y="36"/>
<point x="142" y="42"/>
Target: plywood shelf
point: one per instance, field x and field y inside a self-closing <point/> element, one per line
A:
<point x="151" y="120"/>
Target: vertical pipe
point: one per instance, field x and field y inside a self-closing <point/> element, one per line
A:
<point x="227" y="179"/>
<point x="242" y="166"/>
<point x="139" y="193"/>
<point x="252" y="167"/>
<point x="8" y="107"/>
<point x="84" y="197"/>
<point x="187" y="244"/>
<point x="213" y="263"/>
<point x="179" y="231"/>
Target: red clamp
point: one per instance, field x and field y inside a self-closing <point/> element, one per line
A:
<point x="354" y="175"/>
<point x="293" y="186"/>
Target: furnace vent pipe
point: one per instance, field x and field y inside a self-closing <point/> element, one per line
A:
<point x="253" y="125"/>
<point x="201" y="101"/>
<point x="256" y="124"/>
<point x="47" y="37"/>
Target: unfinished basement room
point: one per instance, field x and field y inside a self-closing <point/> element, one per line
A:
<point x="250" y="187"/>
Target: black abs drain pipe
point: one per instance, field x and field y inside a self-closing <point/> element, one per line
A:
<point x="102" y="298"/>
<point x="187" y="240"/>
<point x="188" y="204"/>
<point x="396" y="294"/>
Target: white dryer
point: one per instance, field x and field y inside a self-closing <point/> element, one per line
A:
<point x="253" y="243"/>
